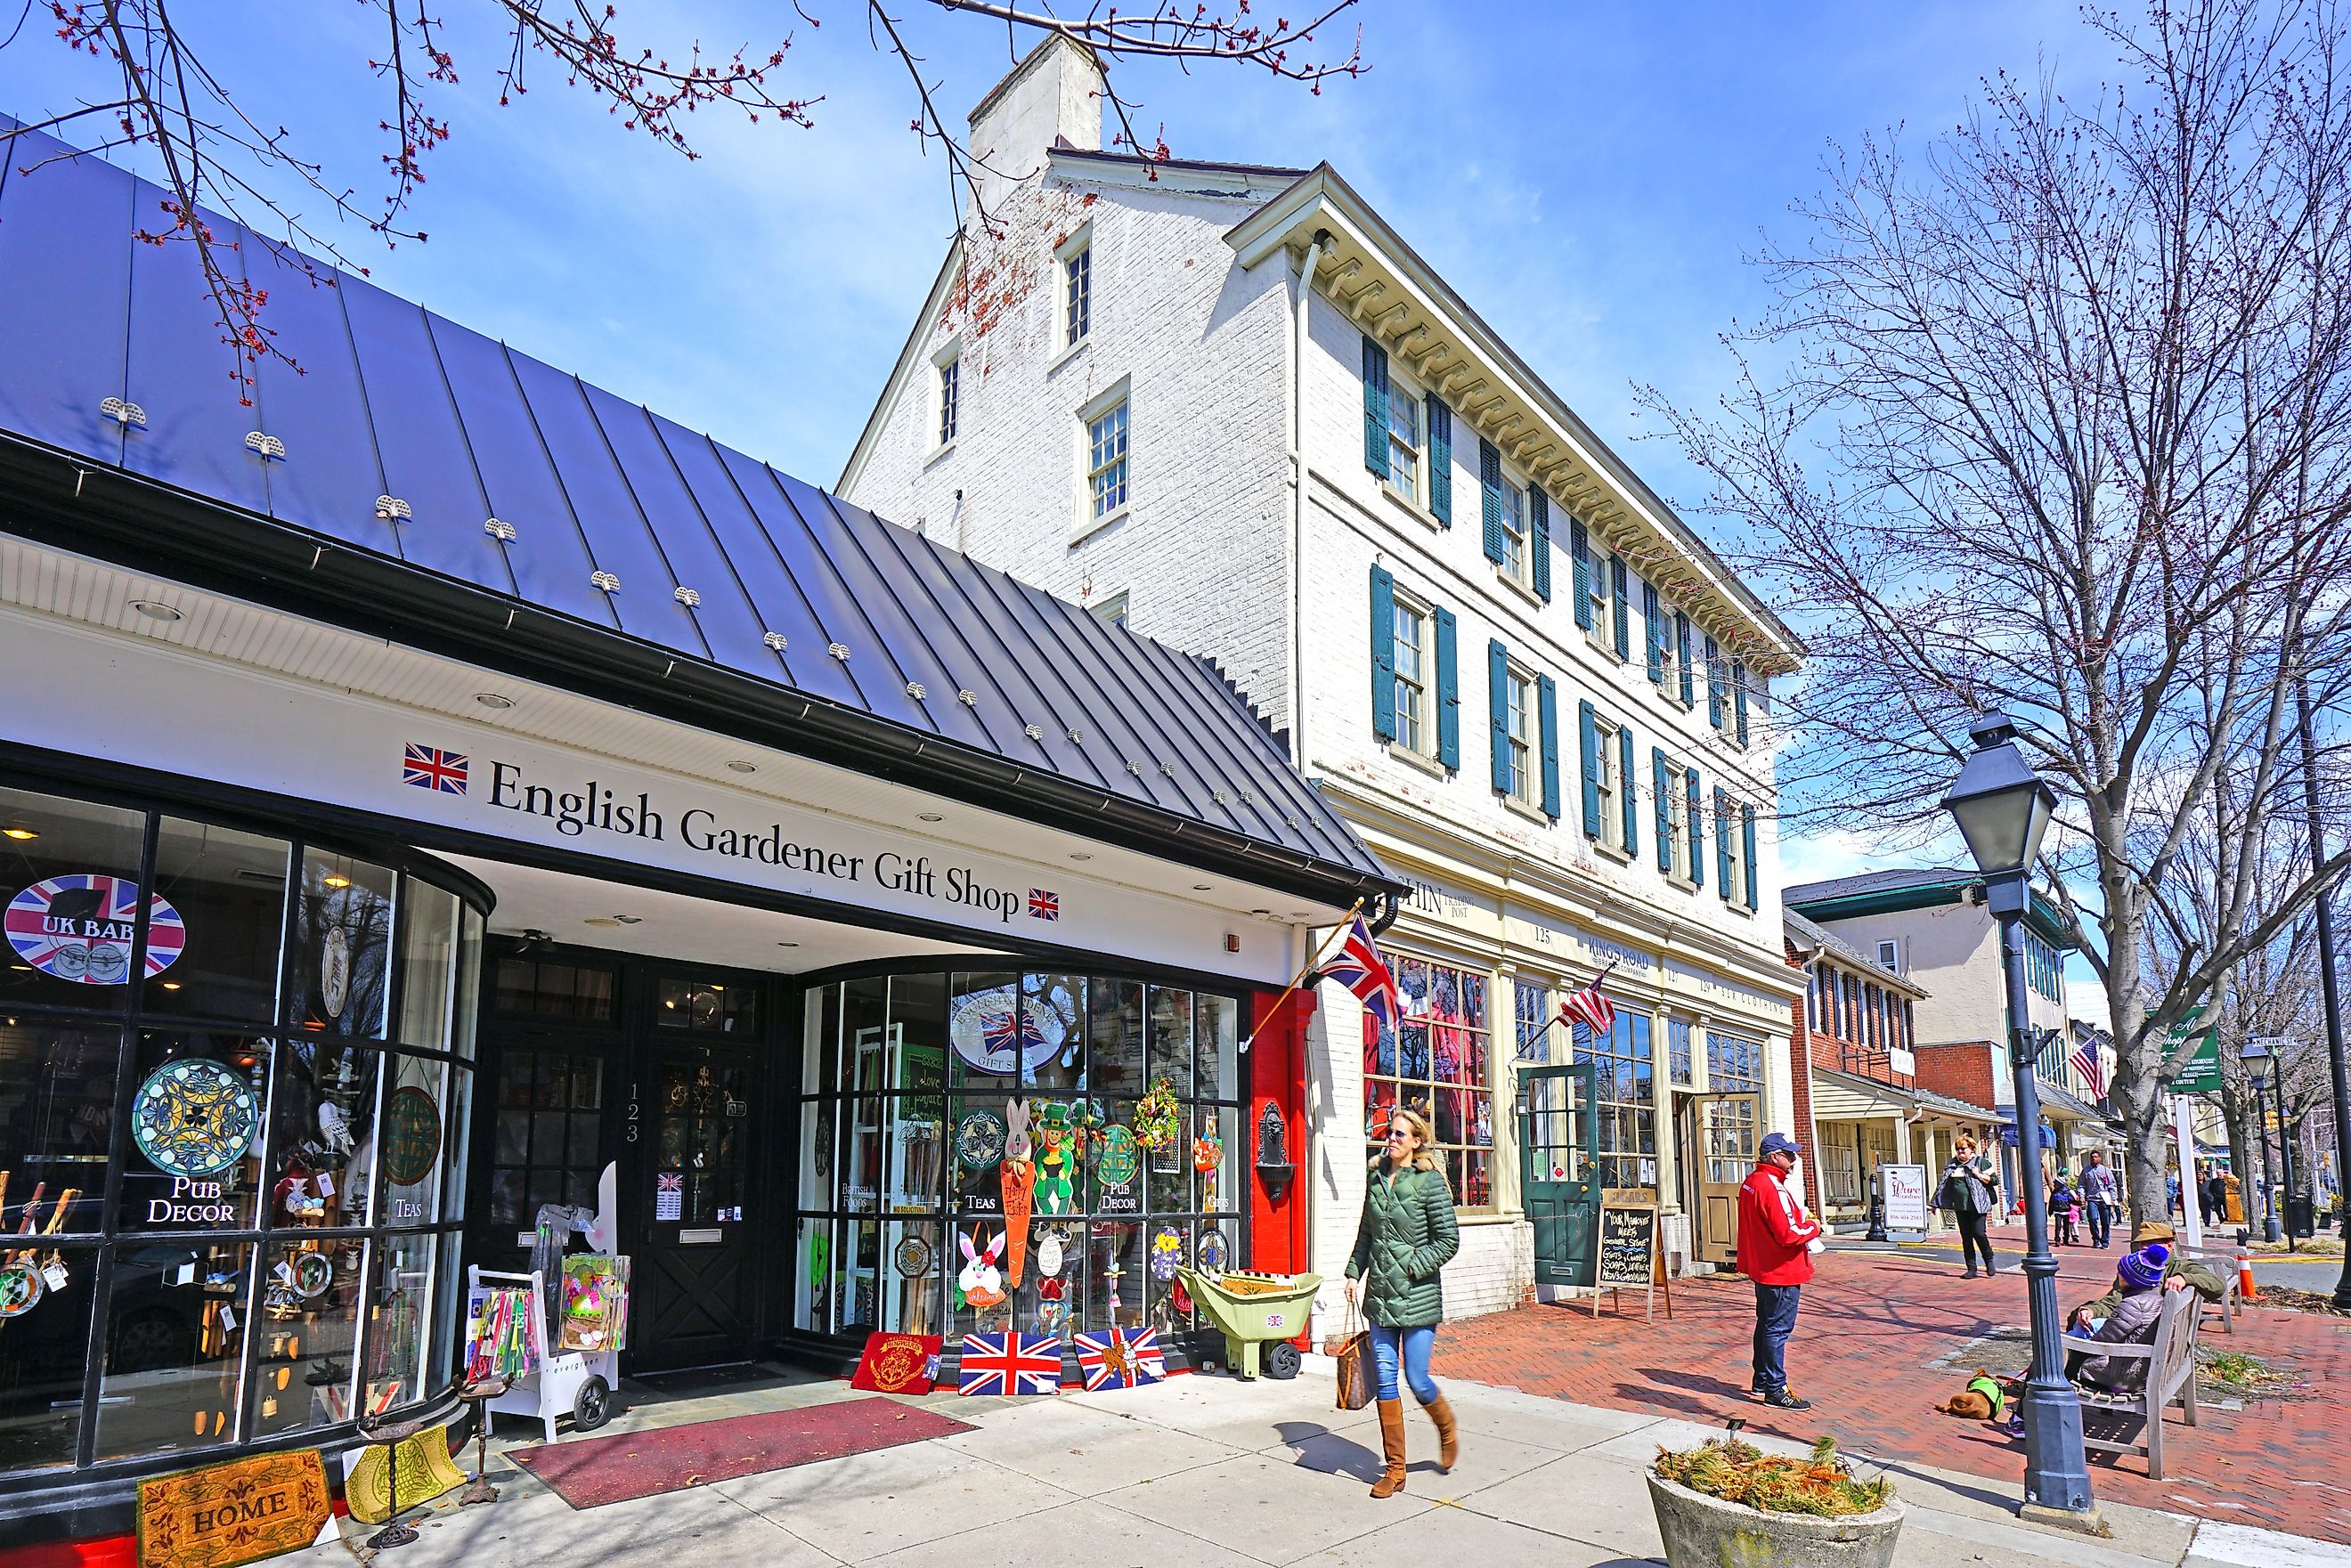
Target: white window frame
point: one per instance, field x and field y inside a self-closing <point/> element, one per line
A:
<point x="1416" y="722"/>
<point x="1677" y="821"/>
<point x="1073" y="292"/>
<point x="1111" y="611"/>
<point x="1517" y="549"/>
<point x="1600" y="592"/>
<point x="1732" y="831"/>
<point x="1520" y="700"/>
<point x="1090" y="515"/>
<point x="1610" y="754"/>
<point x="1403" y="475"/>
<point x="946" y="397"/>
<point x="1889" y="954"/>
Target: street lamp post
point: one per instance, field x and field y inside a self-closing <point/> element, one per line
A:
<point x="2260" y="1065"/>
<point x="2002" y="809"/>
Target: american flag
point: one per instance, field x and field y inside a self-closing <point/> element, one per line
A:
<point x="2085" y="1062"/>
<point x="1359" y="967"/>
<point x="1044" y="904"/>
<point x="429" y="768"/>
<point x="1011" y="1363"/>
<point x="1116" y="1360"/>
<point x="1591" y="1008"/>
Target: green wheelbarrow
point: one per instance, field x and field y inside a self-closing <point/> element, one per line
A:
<point x="1254" y="1309"/>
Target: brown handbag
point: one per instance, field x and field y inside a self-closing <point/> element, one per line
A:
<point x="1355" y="1355"/>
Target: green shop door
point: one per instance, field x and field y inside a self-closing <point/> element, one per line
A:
<point x="1558" y="1120"/>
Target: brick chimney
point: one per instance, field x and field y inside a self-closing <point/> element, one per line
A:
<point x="1052" y="95"/>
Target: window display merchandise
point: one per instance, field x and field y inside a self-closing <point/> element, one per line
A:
<point x="233" y="1065"/>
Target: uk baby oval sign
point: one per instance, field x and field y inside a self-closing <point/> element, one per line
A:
<point x="80" y="926"/>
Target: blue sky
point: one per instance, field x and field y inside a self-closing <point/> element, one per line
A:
<point x="1589" y="178"/>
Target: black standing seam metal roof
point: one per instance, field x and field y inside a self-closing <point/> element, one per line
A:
<point x="719" y="558"/>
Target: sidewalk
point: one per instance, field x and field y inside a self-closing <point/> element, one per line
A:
<point x="1211" y="1471"/>
<point x="1885" y="1336"/>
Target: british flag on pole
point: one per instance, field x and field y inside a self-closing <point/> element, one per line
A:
<point x="1358" y="966"/>
<point x="1011" y="1363"/>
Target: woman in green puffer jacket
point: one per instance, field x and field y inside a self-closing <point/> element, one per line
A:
<point x="1406" y="1236"/>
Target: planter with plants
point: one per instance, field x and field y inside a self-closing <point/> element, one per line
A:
<point x="1727" y="1502"/>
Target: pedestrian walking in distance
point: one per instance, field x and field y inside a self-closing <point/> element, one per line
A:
<point x="1406" y="1235"/>
<point x="1970" y="1191"/>
<point x="2100" y="1197"/>
<point x="1776" y="1242"/>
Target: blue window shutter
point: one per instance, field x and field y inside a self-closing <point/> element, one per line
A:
<point x="1383" y="653"/>
<point x="1548" y="697"/>
<point x="1722" y="843"/>
<point x="1587" y="735"/>
<point x="1747" y="829"/>
<point x="1739" y="695"/>
<point x="1652" y="619"/>
<point x="1579" y="547"/>
<point x="1632" y="801"/>
<point x="1498" y="686"/>
<point x="1661" y="781"/>
<point x="1448" y="692"/>
<point x="1490" y="483"/>
<point x="1695" y="826"/>
<point x="1375" y="408"/>
<point x="1682" y="657"/>
<point x="1616" y="584"/>
<point x="1440" y="460"/>
<point x="1539" y="539"/>
<point x="1713" y="683"/>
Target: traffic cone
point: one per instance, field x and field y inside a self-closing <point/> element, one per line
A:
<point x="2245" y="1286"/>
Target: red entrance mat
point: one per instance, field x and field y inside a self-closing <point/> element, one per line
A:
<point x="598" y="1470"/>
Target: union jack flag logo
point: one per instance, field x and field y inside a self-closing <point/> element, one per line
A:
<point x="1011" y="1363"/>
<point x="1359" y="967"/>
<point x="79" y="926"/>
<point x="1118" y="1360"/>
<point x="428" y="767"/>
<point x="1043" y="905"/>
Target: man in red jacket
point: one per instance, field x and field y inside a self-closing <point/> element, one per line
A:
<point x="1776" y="1242"/>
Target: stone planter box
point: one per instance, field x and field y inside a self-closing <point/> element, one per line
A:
<point x="1704" y="1531"/>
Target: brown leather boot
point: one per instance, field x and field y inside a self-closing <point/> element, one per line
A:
<point x="1449" y="1448"/>
<point x="1391" y="1438"/>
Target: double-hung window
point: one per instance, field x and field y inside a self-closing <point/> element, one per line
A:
<point x="1403" y="441"/>
<point x="1414" y="718"/>
<point x="1514" y="531"/>
<point x="1596" y="581"/>
<point x="1519" y="736"/>
<point x="950" y="398"/>
<point x="1106" y="461"/>
<point x="1077" y="295"/>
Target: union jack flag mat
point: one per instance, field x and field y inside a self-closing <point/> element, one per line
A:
<point x="1120" y="1360"/>
<point x="1011" y="1363"/>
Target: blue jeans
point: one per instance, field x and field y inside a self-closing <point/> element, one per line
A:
<point x="2102" y="1220"/>
<point x="1414" y="1344"/>
<point x="1775" y="1315"/>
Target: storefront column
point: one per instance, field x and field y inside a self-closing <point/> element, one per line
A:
<point x="1277" y="1078"/>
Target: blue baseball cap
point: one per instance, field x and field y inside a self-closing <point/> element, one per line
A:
<point x="1779" y="1144"/>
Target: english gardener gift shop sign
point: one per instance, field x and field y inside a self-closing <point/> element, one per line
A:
<point x="131" y="701"/>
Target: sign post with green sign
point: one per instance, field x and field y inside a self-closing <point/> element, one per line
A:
<point x="2201" y="1072"/>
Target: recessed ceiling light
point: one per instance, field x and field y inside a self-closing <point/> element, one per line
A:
<point x="930" y="817"/>
<point x="1203" y="887"/>
<point x="494" y="702"/>
<point x="156" y="611"/>
<point x="740" y="765"/>
<point x="600" y="920"/>
<point x="332" y="880"/>
<point x="787" y="943"/>
<point x="18" y="833"/>
<point x="1262" y="913"/>
<point x="170" y="985"/>
<point x="1080" y="855"/>
<point x="627" y="920"/>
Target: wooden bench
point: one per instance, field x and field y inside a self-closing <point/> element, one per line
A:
<point x="2117" y="1423"/>
<point x="2223" y="1262"/>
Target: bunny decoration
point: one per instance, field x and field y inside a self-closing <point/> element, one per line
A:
<point x="980" y="1284"/>
<point x="1017" y="1172"/>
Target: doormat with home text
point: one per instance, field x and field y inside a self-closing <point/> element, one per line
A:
<point x="590" y="1472"/>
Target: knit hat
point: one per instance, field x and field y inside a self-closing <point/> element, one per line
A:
<point x="2143" y="1269"/>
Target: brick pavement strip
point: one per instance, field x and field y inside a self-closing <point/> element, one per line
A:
<point x="1871" y="1324"/>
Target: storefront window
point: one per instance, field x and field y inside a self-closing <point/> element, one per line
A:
<point x="705" y="1007"/>
<point x="1436" y="1064"/>
<point x="1531" y="1000"/>
<point x="1677" y="1052"/>
<point x="231" y="1084"/>
<point x="920" y="1092"/>
<point x="1626" y="1091"/>
<point x="1733" y="1063"/>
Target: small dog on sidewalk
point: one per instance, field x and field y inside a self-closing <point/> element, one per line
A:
<point x="1981" y="1400"/>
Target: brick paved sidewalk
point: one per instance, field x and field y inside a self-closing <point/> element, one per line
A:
<point x="1871" y="1323"/>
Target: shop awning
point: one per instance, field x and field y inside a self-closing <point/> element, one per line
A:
<point x="1949" y="1108"/>
<point x="1846" y="1097"/>
<point x="2059" y="1105"/>
<point x="420" y="482"/>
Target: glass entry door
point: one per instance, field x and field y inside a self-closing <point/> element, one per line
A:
<point x="1727" y="1130"/>
<point x="1557" y="1125"/>
<point x="694" y="1285"/>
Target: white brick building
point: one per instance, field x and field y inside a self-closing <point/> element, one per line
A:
<point x="1491" y="656"/>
